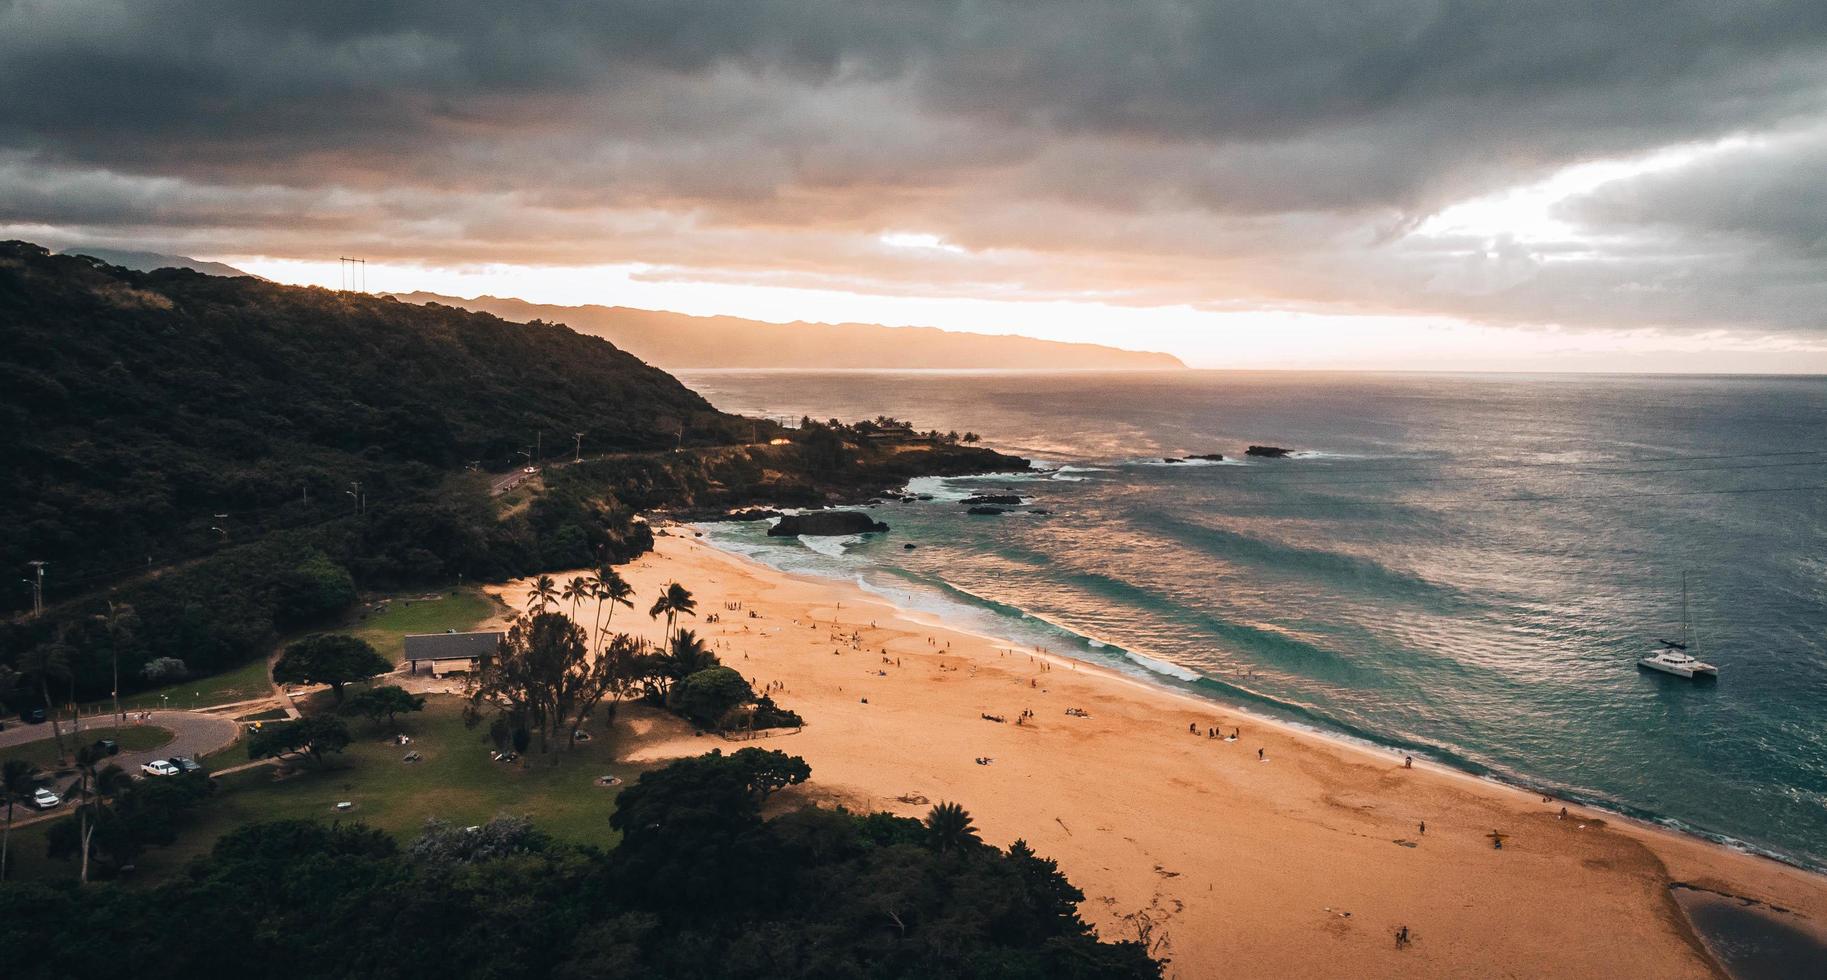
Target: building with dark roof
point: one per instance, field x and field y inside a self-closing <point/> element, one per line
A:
<point x="443" y="653"/>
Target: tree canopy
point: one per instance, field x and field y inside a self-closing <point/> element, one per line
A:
<point x="315" y="736"/>
<point x="700" y="886"/>
<point x="335" y="659"/>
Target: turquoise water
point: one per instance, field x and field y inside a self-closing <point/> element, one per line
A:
<point x="1462" y="566"/>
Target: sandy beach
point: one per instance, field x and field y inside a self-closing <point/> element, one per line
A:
<point x="1282" y="853"/>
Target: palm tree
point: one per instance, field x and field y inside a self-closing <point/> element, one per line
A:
<point x="615" y="589"/>
<point x="688" y="655"/>
<point x="45" y="663"/>
<point x="950" y="828"/>
<point x="672" y="602"/>
<point x="92" y="784"/>
<point x="118" y="622"/>
<point x="576" y="591"/>
<point x="543" y="593"/>
<point x="17" y="780"/>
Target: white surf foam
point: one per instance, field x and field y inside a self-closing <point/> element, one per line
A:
<point x="831" y="547"/>
<point x="1162" y="667"/>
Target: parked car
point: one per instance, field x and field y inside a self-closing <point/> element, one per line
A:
<point x="108" y="746"/>
<point x="34" y="716"/>
<point x="530" y="469"/>
<point x="186" y="764"/>
<point x="44" y="799"/>
<point x="159" y="767"/>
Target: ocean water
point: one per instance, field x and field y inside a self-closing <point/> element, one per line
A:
<point x="1465" y="567"/>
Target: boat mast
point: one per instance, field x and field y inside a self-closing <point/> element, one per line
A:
<point x="1686" y="626"/>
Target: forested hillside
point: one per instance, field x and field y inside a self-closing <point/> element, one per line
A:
<point x="141" y="411"/>
<point x="190" y="448"/>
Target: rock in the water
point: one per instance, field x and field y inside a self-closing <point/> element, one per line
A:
<point x="1270" y="452"/>
<point x="826" y="523"/>
<point x="1172" y="459"/>
<point x="910" y="547"/>
<point x="1214" y="457"/>
<point x="1041" y="511"/>
<point x="753" y="514"/>
<point x="986" y="510"/>
<point x="1008" y="499"/>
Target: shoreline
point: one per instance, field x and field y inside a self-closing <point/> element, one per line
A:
<point x="1281" y="866"/>
<point x="1363" y="744"/>
<point x="1230" y="698"/>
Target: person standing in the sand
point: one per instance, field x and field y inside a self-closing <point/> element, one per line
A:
<point x="1259" y="756"/>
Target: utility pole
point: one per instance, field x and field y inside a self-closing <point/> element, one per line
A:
<point x="354" y="274"/>
<point x="37" y="583"/>
<point x="356" y="492"/>
<point x="577" y="455"/>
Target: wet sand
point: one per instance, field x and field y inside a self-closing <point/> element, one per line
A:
<point x="1301" y="863"/>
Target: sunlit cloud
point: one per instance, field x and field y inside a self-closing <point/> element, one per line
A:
<point x="1292" y="184"/>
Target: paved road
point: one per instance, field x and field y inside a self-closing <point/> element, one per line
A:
<point x="193" y="734"/>
<point x="508" y="481"/>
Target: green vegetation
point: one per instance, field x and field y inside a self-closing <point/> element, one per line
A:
<point x="388" y="701"/>
<point x="132" y="738"/>
<point x="314" y="736"/>
<point x="335" y="659"/>
<point x="708" y="696"/>
<point x="233" y="459"/>
<point x="243" y="683"/>
<point x="700" y="886"/>
<point x="185" y="397"/>
<point x="385" y="629"/>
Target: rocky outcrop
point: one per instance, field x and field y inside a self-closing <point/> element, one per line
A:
<point x="1212" y="457"/>
<point x="826" y="523"/>
<point x="1267" y="452"/>
<point x="1172" y="459"/>
<point x="986" y="511"/>
<point x="753" y="514"/>
<point x="1005" y="499"/>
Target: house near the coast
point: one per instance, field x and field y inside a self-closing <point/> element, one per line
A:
<point x="449" y="652"/>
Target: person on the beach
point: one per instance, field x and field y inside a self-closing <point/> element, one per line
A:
<point x="1408" y="762"/>
<point x="1423" y="827"/>
<point x="1259" y="756"/>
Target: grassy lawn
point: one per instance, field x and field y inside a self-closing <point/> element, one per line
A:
<point x="459" y="609"/>
<point x="43" y="753"/>
<point x="244" y="683"/>
<point x="455" y="782"/>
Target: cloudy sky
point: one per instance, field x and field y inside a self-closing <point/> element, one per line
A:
<point x="1524" y="184"/>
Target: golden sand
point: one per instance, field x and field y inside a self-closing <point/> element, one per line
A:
<point x="1303" y="863"/>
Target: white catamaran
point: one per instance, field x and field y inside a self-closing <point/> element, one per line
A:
<point x="1674" y="658"/>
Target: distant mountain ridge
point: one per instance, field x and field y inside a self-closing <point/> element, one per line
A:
<point x="678" y="340"/>
<point x="148" y="261"/>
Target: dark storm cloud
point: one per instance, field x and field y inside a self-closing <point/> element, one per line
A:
<point x="1213" y="153"/>
<point x="1769" y="192"/>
